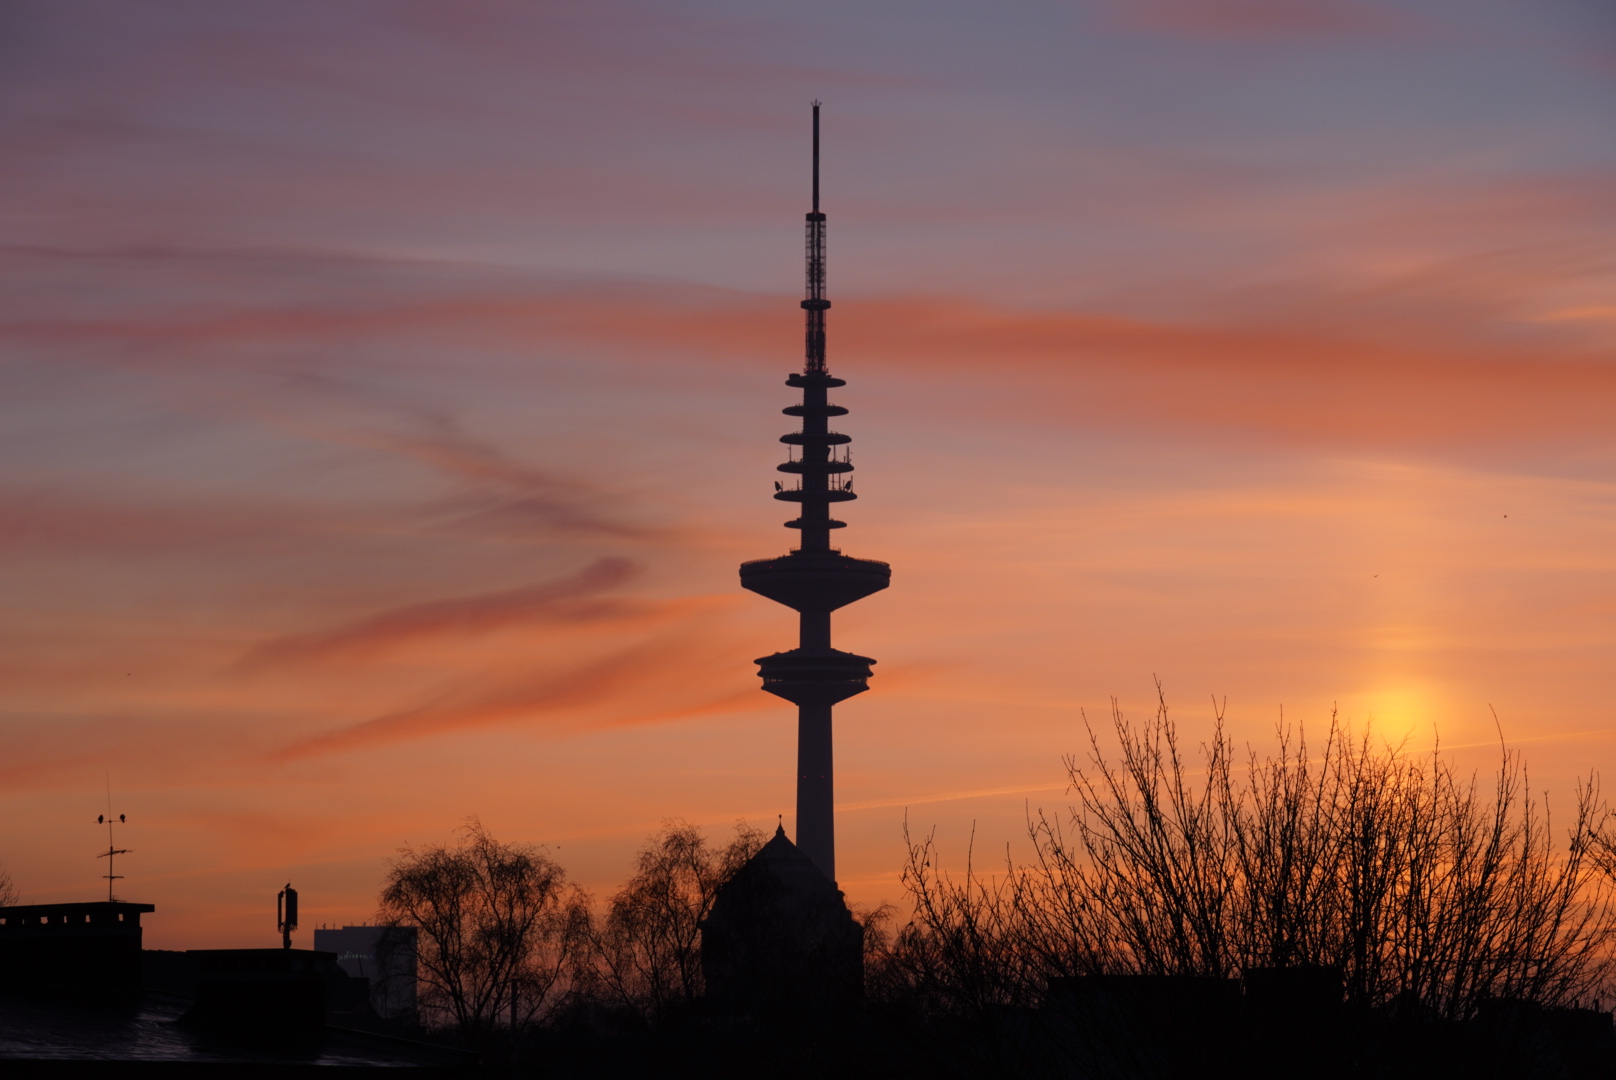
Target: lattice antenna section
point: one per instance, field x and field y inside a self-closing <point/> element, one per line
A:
<point x="815" y="305"/>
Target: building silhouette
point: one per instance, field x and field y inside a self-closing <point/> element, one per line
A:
<point x="84" y="950"/>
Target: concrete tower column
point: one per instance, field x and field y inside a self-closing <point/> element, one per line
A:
<point x="816" y="787"/>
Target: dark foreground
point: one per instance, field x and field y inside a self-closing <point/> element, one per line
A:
<point x="1101" y="1030"/>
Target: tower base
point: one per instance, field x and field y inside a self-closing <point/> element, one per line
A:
<point x="780" y="945"/>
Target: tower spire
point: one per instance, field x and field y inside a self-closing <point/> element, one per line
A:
<point x="816" y="156"/>
<point x="815" y="304"/>
<point x="815" y="578"/>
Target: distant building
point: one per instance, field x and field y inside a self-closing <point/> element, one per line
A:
<point x="386" y="955"/>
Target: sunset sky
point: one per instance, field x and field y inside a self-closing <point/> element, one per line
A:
<point x="391" y="389"/>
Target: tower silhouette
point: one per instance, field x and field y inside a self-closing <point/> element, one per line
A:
<point x="815" y="578"/>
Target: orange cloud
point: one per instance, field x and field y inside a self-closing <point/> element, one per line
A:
<point x="1365" y="370"/>
<point x="670" y="677"/>
<point x="1364" y="376"/>
<point x="1297" y="384"/>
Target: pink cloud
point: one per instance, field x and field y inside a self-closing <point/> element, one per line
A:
<point x="1264" y="19"/>
<point x="40" y="521"/>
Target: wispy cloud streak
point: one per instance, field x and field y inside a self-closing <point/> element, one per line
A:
<point x="573" y="599"/>
<point x="666" y="678"/>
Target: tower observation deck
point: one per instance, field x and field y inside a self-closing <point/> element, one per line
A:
<point x="815" y="578"/>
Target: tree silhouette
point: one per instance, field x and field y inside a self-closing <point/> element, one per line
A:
<point x="647" y="948"/>
<point x="498" y="929"/>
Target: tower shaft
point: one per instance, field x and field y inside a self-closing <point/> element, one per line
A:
<point x="815" y="578"/>
<point x="816" y="787"/>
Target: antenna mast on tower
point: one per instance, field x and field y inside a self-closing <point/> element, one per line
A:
<point x="815" y="304"/>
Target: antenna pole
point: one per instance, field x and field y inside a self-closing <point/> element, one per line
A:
<point x="113" y="850"/>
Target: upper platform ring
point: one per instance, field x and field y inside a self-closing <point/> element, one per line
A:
<point x="814" y="410"/>
<point x="808" y="438"/>
<point x="802" y="379"/>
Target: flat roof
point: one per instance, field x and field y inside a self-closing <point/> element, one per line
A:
<point x="23" y="911"/>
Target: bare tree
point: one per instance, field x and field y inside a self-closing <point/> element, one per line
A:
<point x="1415" y="882"/>
<point x="8" y="891"/>
<point x="648" y="945"/>
<point x="497" y="928"/>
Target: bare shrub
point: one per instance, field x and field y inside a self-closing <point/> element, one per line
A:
<point x="877" y="937"/>
<point x="498" y="929"/>
<point x="1418" y="883"/>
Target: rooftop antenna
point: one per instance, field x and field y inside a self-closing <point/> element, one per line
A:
<point x="113" y="850"/>
<point x="286" y="914"/>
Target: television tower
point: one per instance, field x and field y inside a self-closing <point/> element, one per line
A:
<point x="815" y="578"/>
